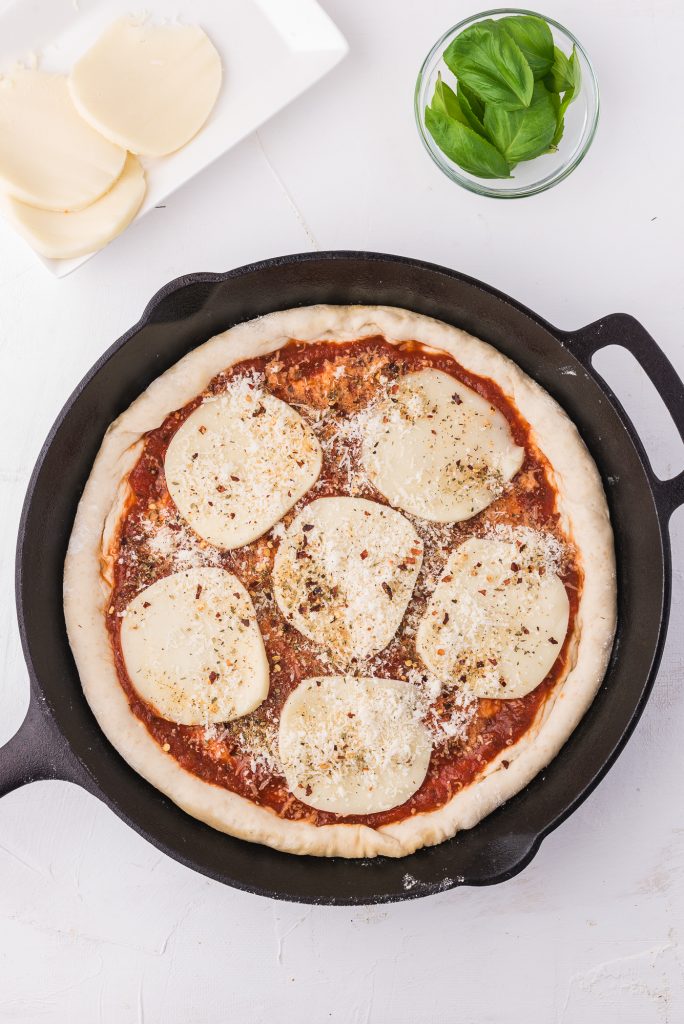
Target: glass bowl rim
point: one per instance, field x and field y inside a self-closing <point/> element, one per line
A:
<point x="479" y="186"/>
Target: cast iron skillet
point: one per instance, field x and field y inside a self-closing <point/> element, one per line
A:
<point x="59" y="738"/>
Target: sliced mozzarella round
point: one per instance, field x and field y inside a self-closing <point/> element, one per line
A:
<point x="497" y="618"/>
<point x="353" y="745"/>
<point x="49" y="156"/>
<point x="149" y="88"/>
<point x="193" y="649"/>
<point x="437" y="449"/>
<point x="59" y="235"/>
<point x="344" y="573"/>
<point x="238" y="463"/>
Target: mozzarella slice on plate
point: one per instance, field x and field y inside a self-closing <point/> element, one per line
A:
<point x="149" y="88"/>
<point x="353" y="745"/>
<point x="61" y="236"/>
<point x="498" y="617"/>
<point x="437" y="449"/>
<point x="239" y="462"/>
<point x="344" y="574"/>
<point x="49" y="156"/>
<point x="193" y="649"/>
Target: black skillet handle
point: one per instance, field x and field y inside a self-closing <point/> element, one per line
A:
<point x="622" y="329"/>
<point x="38" y="751"/>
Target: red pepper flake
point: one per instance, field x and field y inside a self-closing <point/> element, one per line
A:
<point x="194" y="455"/>
<point x="515" y="567"/>
<point x="388" y="590"/>
<point x="350" y="714"/>
<point x="364" y="554"/>
<point x="505" y="763"/>
<point x="245" y="622"/>
<point x="445" y="619"/>
<point x="483" y="592"/>
<point x="236" y="478"/>
<point x="202" y="430"/>
<point x="456" y="398"/>
<point x="146" y="604"/>
<point x="198" y="591"/>
<point x="308" y="790"/>
<point x="307" y="526"/>
<point x="220" y="488"/>
<point x="213" y="676"/>
<point x="552" y="641"/>
<point x="447" y="579"/>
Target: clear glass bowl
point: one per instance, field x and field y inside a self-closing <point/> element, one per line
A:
<point x="530" y="176"/>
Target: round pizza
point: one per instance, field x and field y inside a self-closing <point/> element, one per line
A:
<point x="341" y="581"/>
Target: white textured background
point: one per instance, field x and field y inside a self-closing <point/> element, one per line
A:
<point x="95" y="925"/>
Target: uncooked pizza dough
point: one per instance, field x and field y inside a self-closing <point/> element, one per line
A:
<point x="59" y="235"/>
<point x="580" y="513"/>
<point x="49" y="156"/>
<point x="148" y="88"/>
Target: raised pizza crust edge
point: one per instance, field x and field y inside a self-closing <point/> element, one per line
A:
<point x="584" y="516"/>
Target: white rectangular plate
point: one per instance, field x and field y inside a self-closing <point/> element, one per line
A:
<point x="272" y="50"/>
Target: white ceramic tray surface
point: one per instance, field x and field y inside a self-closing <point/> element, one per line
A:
<point x="262" y="42"/>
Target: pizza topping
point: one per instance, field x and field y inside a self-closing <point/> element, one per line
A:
<point x="232" y="476"/>
<point x="497" y="640"/>
<point x="467" y="733"/>
<point x="192" y="647"/>
<point x="339" y="581"/>
<point x="353" y="745"/>
<point x="437" y="449"/>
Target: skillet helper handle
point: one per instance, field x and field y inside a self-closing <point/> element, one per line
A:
<point x="622" y="329"/>
<point x="38" y="751"/>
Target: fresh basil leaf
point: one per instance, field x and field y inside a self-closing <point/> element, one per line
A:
<point x="523" y="134"/>
<point x="576" y="73"/>
<point x="559" y="111"/>
<point x="445" y="101"/>
<point x="473" y="115"/>
<point x="472" y="100"/>
<point x="488" y="61"/>
<point x="568" y="96"/>
<point x="465" y="147"/>
<point x="534" y="38"/>
<point x="562" y="74"/>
